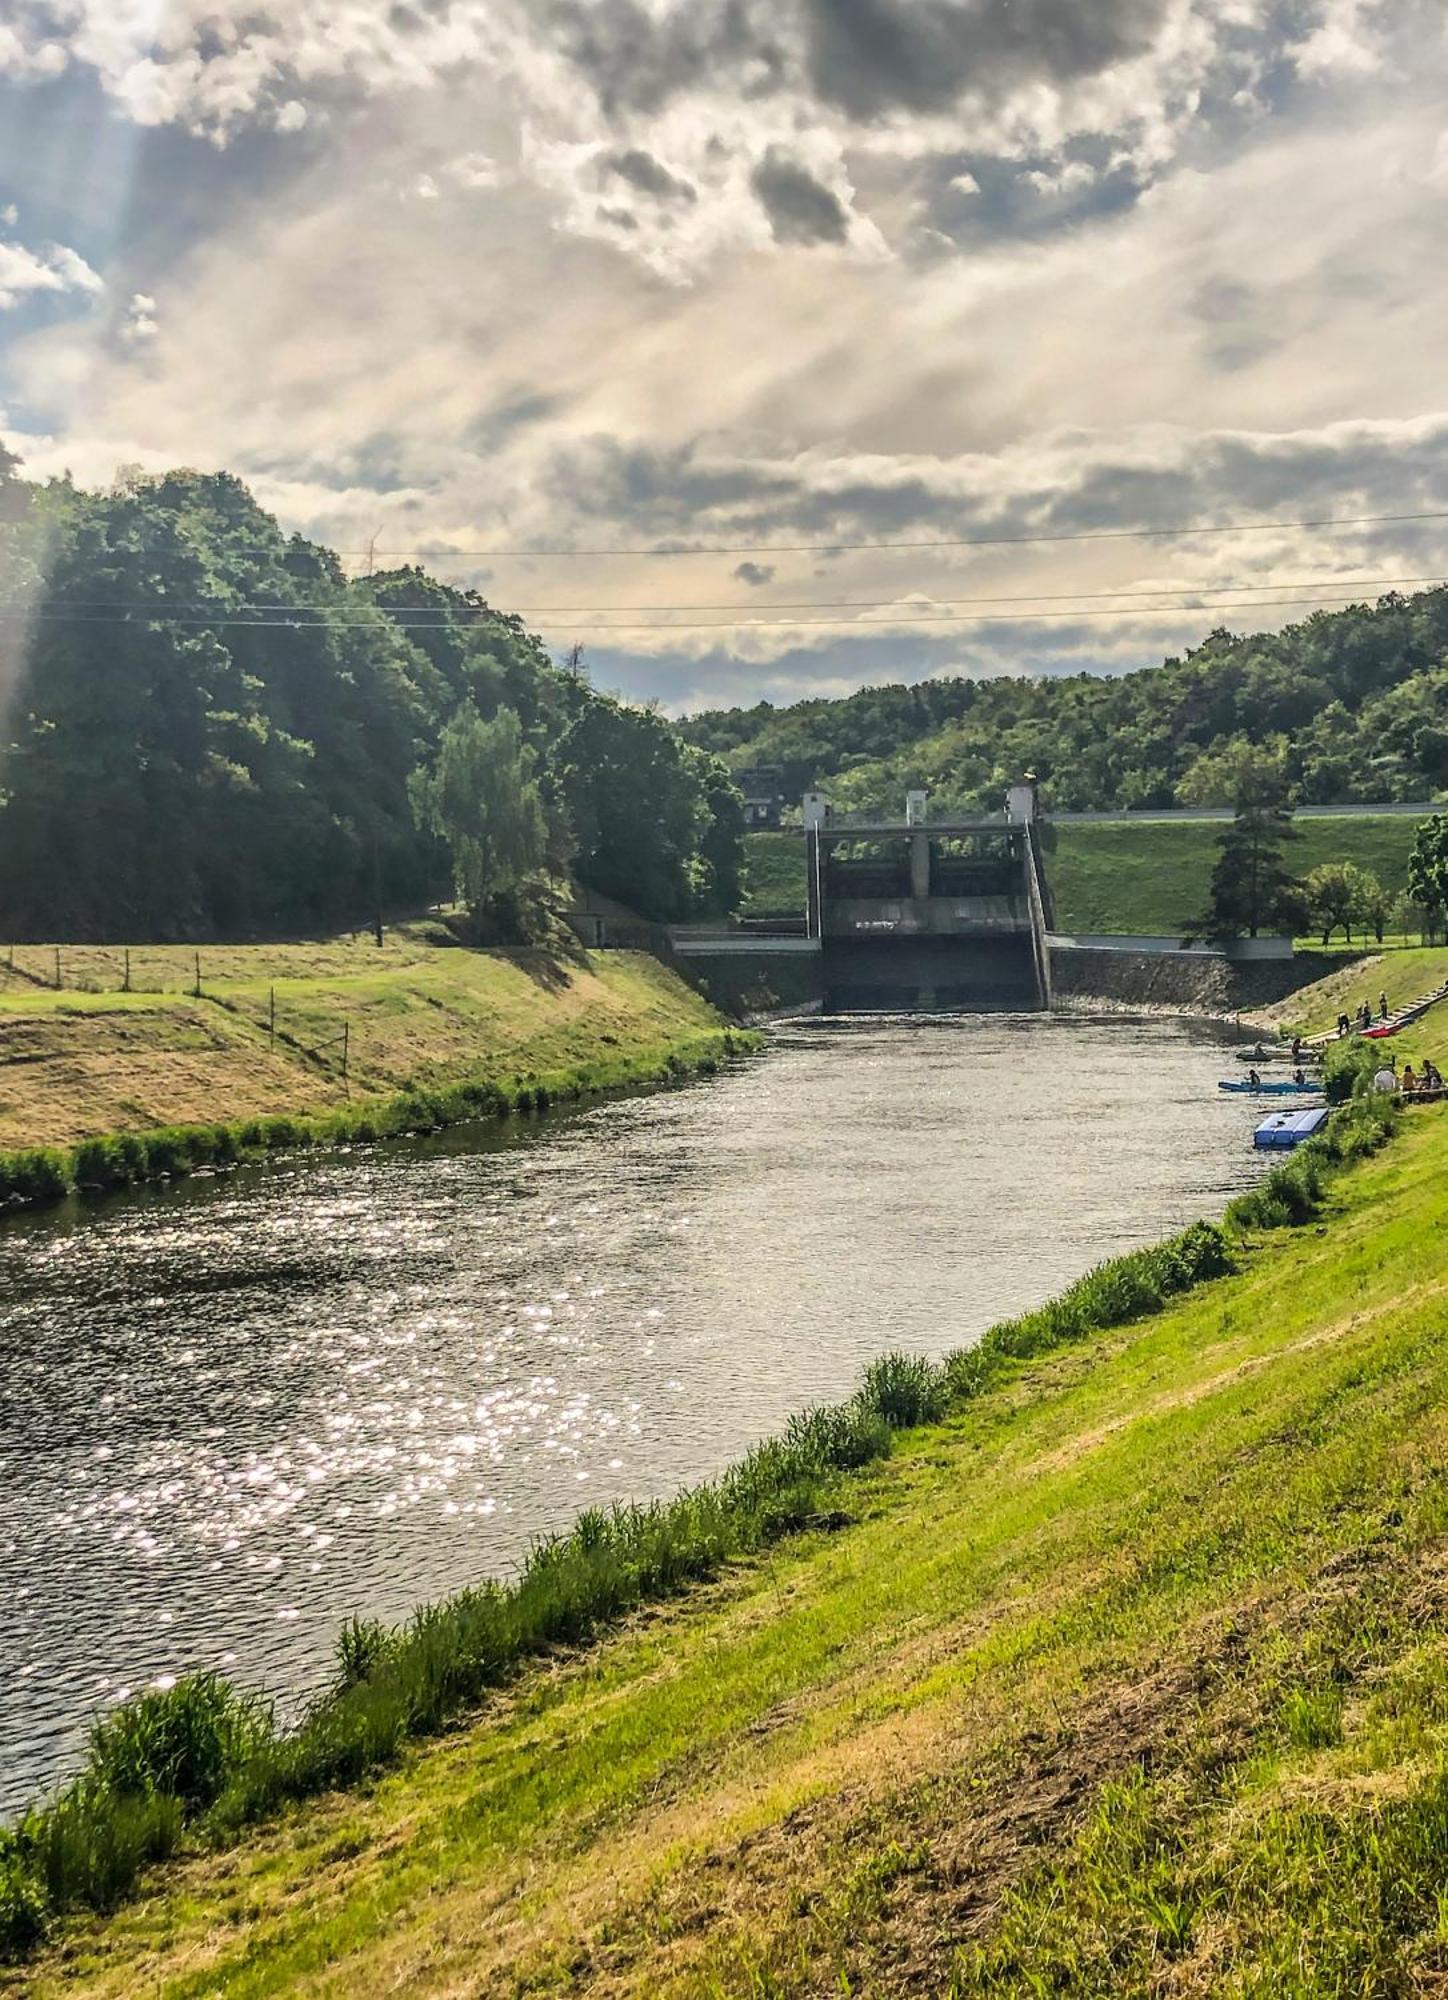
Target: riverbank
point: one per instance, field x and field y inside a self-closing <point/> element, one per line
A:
<point x="1130" y="1668"/>
<point x="315" y="1044"/>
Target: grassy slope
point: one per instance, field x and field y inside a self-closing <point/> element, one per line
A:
<point x="774" y="875"/>
<point x="1153" y="878"/>
<point x="1150" y="878"/>
<point x="1402" y="974"/>
<point x="74" y="1063"/>
<point x="1135" y="1672"/>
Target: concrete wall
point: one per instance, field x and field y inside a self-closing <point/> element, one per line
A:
<point x="1191" y="982"/>
<point x="1239" y="950"/>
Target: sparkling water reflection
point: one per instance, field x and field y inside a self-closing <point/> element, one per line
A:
<point x="237" y="1411"/>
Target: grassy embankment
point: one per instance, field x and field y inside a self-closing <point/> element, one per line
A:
<point x="1149" y="879"/>
<point x="1403" y="974"/>
<point x="434" y="1034"/>
<point x="1129" y="1675"/>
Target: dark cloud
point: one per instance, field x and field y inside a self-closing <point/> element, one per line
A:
<point x="800" y="208"/>
<point x="650" y="176"/>
<point x="755" y="574"/>
<point x="636" y="62"/>
<point x="867" y="57"/>
<point x="870" y="57"/>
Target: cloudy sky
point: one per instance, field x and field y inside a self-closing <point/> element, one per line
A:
<point x="501" y="285"/>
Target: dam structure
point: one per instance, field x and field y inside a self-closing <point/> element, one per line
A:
<point x="902" y="915"/>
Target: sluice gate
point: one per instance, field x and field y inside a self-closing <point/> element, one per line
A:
<point x="928" y="914"/>
<point x="900" y="915"/>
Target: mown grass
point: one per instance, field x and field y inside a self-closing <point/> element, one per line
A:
<point x="33" y="1175"/>
<point x="395" y="1686"/>
<point x="1153" y="878"/>
<point x="774" y="875"/>
<point x="80" y="1066"/>
<point x="1155" y="1558"/>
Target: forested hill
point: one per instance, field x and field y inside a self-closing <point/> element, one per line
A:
<point x="207" y="728"/>
<point x="1355" y="702"/>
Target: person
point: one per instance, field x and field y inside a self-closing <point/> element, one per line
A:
<point x="1297" y="1048"/>
<point x="1432" y="1075"/>
<point x="1386" y="1079"/>
<point x="1343" y="1025"/>
<point x="1410" y="1079"/>
<point x="1382" y="1006"/>
<point x="1299" y="1077"/>
<point x="1253" y="1080"/>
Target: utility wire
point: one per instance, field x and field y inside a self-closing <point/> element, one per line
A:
<point x="436" y="554"/>
<point x="426" y="616"/>
<point x="310" y="622"/>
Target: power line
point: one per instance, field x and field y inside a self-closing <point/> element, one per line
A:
<point x="600" y="629"/>
<point x="436" y="554"/>
<point x="440" y="617"/>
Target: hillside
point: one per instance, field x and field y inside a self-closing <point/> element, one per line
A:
<point x="1151" y="877"/>
<point x="76" y="1062"/>
<point x="1354" y="701"/>
<point x="1130" y="1675"/>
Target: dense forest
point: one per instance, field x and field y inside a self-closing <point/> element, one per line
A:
<point x="1353" y="703"/>
<point x="207" y="728"/>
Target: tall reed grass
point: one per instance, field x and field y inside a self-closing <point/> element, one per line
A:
<point x="201" y="1761"/>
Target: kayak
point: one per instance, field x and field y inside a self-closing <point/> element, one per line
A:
<point x="1271" y="1089"/>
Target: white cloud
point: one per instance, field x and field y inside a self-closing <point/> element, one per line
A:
<point x="475" y="170"/>
<point x="53" y="268"/>
<point x="140" y="323"/>
<point x="291" y="116"/>
<point x="620" y="355"/>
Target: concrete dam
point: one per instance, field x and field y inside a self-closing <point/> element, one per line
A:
<point x="901" y="915"/>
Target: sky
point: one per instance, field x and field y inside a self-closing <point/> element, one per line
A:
<point x="864" y="336"/>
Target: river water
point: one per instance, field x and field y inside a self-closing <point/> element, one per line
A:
<point x="236" y="1411"/>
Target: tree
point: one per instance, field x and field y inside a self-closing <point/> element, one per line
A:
<point x="1428" y="870"/>
<point x="1252" y="887"/>
<point x="482" y="798"/>
<point x="1238" y="773"/>
<point x="1341" y="895"/>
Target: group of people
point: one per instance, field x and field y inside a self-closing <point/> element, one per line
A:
<point x="1362" y="1020"/>
<point x="1412" y="1083"/>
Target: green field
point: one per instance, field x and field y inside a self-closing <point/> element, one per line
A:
<point x="1153" y="878"/>
<point x="1150" y="878"/>
<point x="1130" y="1677"/>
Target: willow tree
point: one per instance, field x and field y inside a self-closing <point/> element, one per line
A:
<point x="482" y="796"/>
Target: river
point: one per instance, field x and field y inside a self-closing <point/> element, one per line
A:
<point x="237" y="1410"/>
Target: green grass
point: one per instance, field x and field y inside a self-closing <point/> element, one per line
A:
<point x="30" y="1177"/>
<point x="85" y="1065"/>
<point x="1152" y="879"/>
<point x="774" y="875"/>
<point x="1122" y="1564"/>
<point x="1149" y="879"/>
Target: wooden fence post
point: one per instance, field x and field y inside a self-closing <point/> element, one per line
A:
<point x="198" y="975"/>
<point x="271" y="1019"/>
<point x="126" y="981"/>
<point x="57" y="968"/>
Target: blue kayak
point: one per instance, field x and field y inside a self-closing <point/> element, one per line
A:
<point x="1247" y="1089"/>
